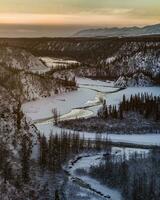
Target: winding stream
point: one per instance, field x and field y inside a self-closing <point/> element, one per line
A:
<point x="89" y="108"/>
<point x="85" y="161"/>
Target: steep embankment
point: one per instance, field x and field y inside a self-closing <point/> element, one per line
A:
<point x="22" y="71"/>
<point x="20" y="59"/>
<point x="16" y="140"/>
<point x="137" y="64"/>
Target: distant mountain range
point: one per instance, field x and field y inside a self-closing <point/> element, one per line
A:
<point x="119" y="32"/>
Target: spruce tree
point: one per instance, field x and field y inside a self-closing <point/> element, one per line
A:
<point x="57" y="195"/>
<point x="25" y="154"/>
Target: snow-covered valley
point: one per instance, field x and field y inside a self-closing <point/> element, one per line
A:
<point x="84" y="103"/>
<point x="46" y="84"/>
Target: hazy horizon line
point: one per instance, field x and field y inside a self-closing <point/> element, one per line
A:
<point x="50" y="31"/>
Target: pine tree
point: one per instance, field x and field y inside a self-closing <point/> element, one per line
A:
<point x="55" y="116"/>
<point x="5" y="166"/>
<point x="124" y="101"/>
<point x="157" y="115"/>
<point x="43" y="157"/>
<point x="120" y="112"/>
<point x="25" y="154"/>
<point x="57" y="195"/>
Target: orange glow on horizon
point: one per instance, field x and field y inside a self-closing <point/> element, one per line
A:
<point x="30" y="19"/>
<point x="85" y="19"/>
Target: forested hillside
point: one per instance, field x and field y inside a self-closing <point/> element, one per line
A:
<point x="22" y="71"/>
<point x="135" y="60"/>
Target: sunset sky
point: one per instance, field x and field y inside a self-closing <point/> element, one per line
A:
<point x="66" y="16"/>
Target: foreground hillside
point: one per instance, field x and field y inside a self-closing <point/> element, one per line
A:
<point x="16" y="142"/>
<point x="22" y="78"/>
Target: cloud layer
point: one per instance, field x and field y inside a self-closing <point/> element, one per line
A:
<point x="79" y="13"/>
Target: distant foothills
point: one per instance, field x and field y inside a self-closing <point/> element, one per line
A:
<point x="120" y="32"/>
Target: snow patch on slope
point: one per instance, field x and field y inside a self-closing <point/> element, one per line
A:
<point x="137" y="80"/>
<point x="20" y="59"/>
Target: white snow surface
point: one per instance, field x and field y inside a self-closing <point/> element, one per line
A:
<point x="141" y="139"/>
<point x="110" y="59"/>
<point x="147" y="139"/>
<point x="64" y="103"/>
<point x="57" y="62"/>
<point x="89" y="81"/>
